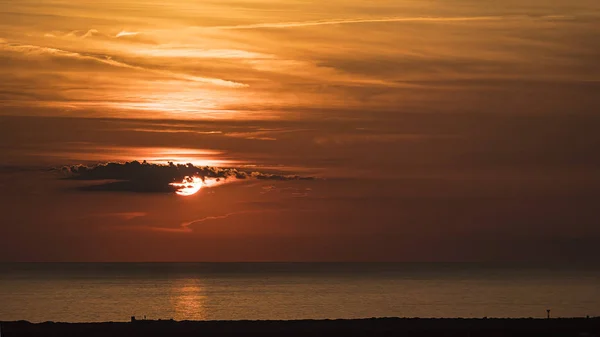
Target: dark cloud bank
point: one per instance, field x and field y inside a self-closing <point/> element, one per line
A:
<point x="156" y="178"/>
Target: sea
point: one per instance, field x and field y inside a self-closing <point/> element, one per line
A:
<point x="94" y="292"/>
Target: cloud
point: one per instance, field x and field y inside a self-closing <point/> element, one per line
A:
<point x="40" y="50"/>
<point x="186" y="227"/>
<point x="77" y="34"/>
<point x="389" y="19"/>
<point x="294" y="191"/>
<point x="193" y="52"/>
<point x="122" y="215"/>
<point x="251" y="133"/>
<point x="345" y="139"/>
<point x="89" y="33"/>
<point x="125" y="33"/>
<point x="156" y="178"/>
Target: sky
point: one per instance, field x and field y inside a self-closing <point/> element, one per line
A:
<point x="284" y="130"/>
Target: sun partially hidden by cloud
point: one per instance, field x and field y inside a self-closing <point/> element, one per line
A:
<point x="184" y="180"/>
<point x="189" y="186"/>
<point x="192" y="185"/>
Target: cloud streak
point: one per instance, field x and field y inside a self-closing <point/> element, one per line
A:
<point x="383" y="20"/>
<point x="186" y="226"/>
<point x="126" y="33"/>
<point x="122" y="215"/>
<point x="89" y="33"/>
<point x="39" y="50"/>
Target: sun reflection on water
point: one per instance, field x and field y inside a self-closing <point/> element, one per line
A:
<point x="188" y="300"/>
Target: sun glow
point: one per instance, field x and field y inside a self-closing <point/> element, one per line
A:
<point x="192" y="185"/>
<point x="189" y="186"/>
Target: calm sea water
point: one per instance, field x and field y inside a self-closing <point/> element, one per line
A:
<point x="114" y="292"/>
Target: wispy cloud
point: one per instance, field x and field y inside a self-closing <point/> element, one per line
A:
<point x="76" y="33"/>
<point x="40" y="50"/>
<point x="163" y="130"/>
<point x="126" y="33"/>
<point x="89" y="33"/>
<point x="294" y="191"/>
<point x="122" y="215"/>
<point x="344" y="139"/>
<point x="251" y="134"/>
<point x="174" y="51"/>
<point x="376" y="20"/>
<point x="186" y="226"/>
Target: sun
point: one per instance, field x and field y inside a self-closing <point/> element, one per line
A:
<point x="192" y="185"/>
<point x="189" y="186"/>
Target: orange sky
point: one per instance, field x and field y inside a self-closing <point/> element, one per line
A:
<point x="388" y="130"/>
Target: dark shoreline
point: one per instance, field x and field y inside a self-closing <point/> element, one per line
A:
<point x="425" y="327"/>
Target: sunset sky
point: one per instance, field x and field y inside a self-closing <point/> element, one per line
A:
<point x="404" y="130"/>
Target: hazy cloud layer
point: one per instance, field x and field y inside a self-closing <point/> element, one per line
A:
<point x="269" y="59"/>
